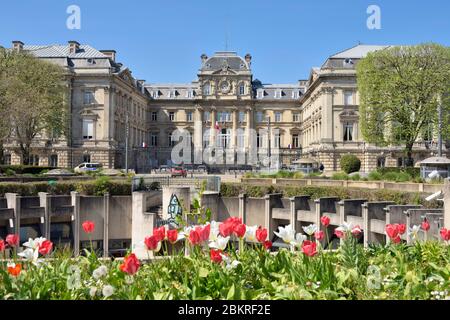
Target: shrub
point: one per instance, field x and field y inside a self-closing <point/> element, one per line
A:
<point x="339" y="176"/>
<point x="350" y="163"/>
<point x="21" y="169"/>
<point x="375" y="175"/>
<point x="298" y="175"/>
<point x="355" y="177"/>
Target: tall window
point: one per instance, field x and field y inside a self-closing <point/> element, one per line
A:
<point x="223" y="116"/>
<point x="242" y="89"/>
<point x="277" y="116"/>
<point x="296" y="117"/>
<point x="154" y="140"/>
<point x="259" y="140"/>
<point x="172" y="116"/>
<point x="241" y="116"/>
<point x="53" y="161"/>
<point x="224" y="138"/>
<point x="295" y="141"/>
<point x="348" y="131"/>
<point x="207" y="89"/>
<point x="207" y="116"/>
<point x="89" y="97"/>
<point x="87" y="158"/>
<point x="277" y="140"/>
<point x="7" y="159"/>
<point x="170" y="143"/>
<point x="88" y="129"/>
<point x="259" y="116"/>
<point x="206" y="136"/>
<point x="348" y="98"/>
<point x="154" y="116"/>
<point x="189" y="116"/>
<point x="34" y="160"/>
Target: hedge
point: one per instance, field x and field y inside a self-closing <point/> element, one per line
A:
<point x="92" y="188"/>
<point x="315" y="192"/>
<point x="350" y="163"/>
<point x="21" y="169"/>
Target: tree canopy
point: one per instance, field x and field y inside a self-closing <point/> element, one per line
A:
<point x="32" y="99"/>
<point x="400" y="88"/>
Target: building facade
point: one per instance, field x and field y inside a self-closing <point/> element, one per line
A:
<point x="225" y="116"/>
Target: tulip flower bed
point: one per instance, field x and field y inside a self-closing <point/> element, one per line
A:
<point x="230" y="260"/>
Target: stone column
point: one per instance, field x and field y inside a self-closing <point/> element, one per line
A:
<point x="447" y="203"/>
<point x="44" y="199"/>
<point x="106" y="225"/>
<point x="76" y="222"/>
<point x="234" y="131"/>
<point x="213" y="132"/>
<point x="142" y="225"/>
<point x="327" y="115"/>
<point x="13" y="201"/>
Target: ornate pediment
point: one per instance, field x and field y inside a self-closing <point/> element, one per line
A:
<point x="349" y="115"/>
<point x="86" y="113"/>
<point x="127" y="77"/>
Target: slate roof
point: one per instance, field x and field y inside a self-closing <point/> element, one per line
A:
<point x="225" y="57"/>
<point x="58" y="51"/>
<point x="357" y="52"/>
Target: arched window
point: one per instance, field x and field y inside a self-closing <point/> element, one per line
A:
<point x="241" y="88"/>
<point x="207" y="89"/>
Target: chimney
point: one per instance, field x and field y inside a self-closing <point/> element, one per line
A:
<point x="204" y="57"/>
<point x="18" y="45"/>
<point x="110" y="54"/>
<point x="248" y="59"/>
<point x="74" y="46"/>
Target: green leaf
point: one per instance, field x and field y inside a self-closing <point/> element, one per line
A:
<point x="203" y="272"/>
<point x="230" y="295"/>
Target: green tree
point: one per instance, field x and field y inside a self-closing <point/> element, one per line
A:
<point x="32" y="100"/>
<point x="399" y="92"/>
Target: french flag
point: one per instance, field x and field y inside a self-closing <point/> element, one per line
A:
<point x="216" y="126"/>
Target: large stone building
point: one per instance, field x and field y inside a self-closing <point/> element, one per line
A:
<point x="224" y="109"/>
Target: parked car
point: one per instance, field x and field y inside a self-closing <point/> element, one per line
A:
<point x="164" y="168"/>
<point x="87" y="166"/>
<point x="178" y="172"/>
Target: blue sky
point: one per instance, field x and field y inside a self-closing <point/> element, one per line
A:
<point x="162" y="40"/>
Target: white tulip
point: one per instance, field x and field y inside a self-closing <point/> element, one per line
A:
<point x="250" y="233"/>
<point x="309" y="230"/>
<point x="220" y="243"/>
<point x="286" y="233"/>
<point x="414" y="231"/>
<point x="299" y="238"/>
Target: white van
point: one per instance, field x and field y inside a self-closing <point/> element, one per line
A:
<point x="87" y="166"/>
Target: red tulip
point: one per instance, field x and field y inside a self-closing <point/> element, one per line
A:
<point x="425" y="225"/>
<point x="194" y="237"/>
<point x="151" y="243"/>
<point x="2" y="245"/>
<point x="159" y="233"/>
<point x="356" y="231"/>
<point x="226" y="228"/>
<point x="172" y="236"/>
<point x="268" y="244"/>
<point x="401" y="228"/>
<point x="130" y="264"/>
<point x="204" y="232"/>
<point x="239" y="230"/>
<point x="88" y="226"/>
<point x="397" y="239"/>
<point x="319" y="235"/>
<point x="45" y="247"/>
<point x="309" y="248"/>
<point x="392" y="230"/>
<point x="215" y="255"/>
<point x="339" y="233"/>
<point x="445" y="234"/>
<point x="261" y="234"/>
<point x="325" y="220"/>
<point x="15" y="271"/>
<point x="12" y="240"/>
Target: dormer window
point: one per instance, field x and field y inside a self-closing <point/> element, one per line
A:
<point x="260" y="93"/>
<point x="155" y="94"/>
<point x="189" y="94"/>
<point x="172" y="94"/>
<point x="278" y="94"/>
<point x="91" y="61"/>
<point x="295" y="94"/>
<point x="348" y="63"/>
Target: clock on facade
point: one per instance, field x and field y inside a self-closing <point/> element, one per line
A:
<point x="225" y="86"/>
